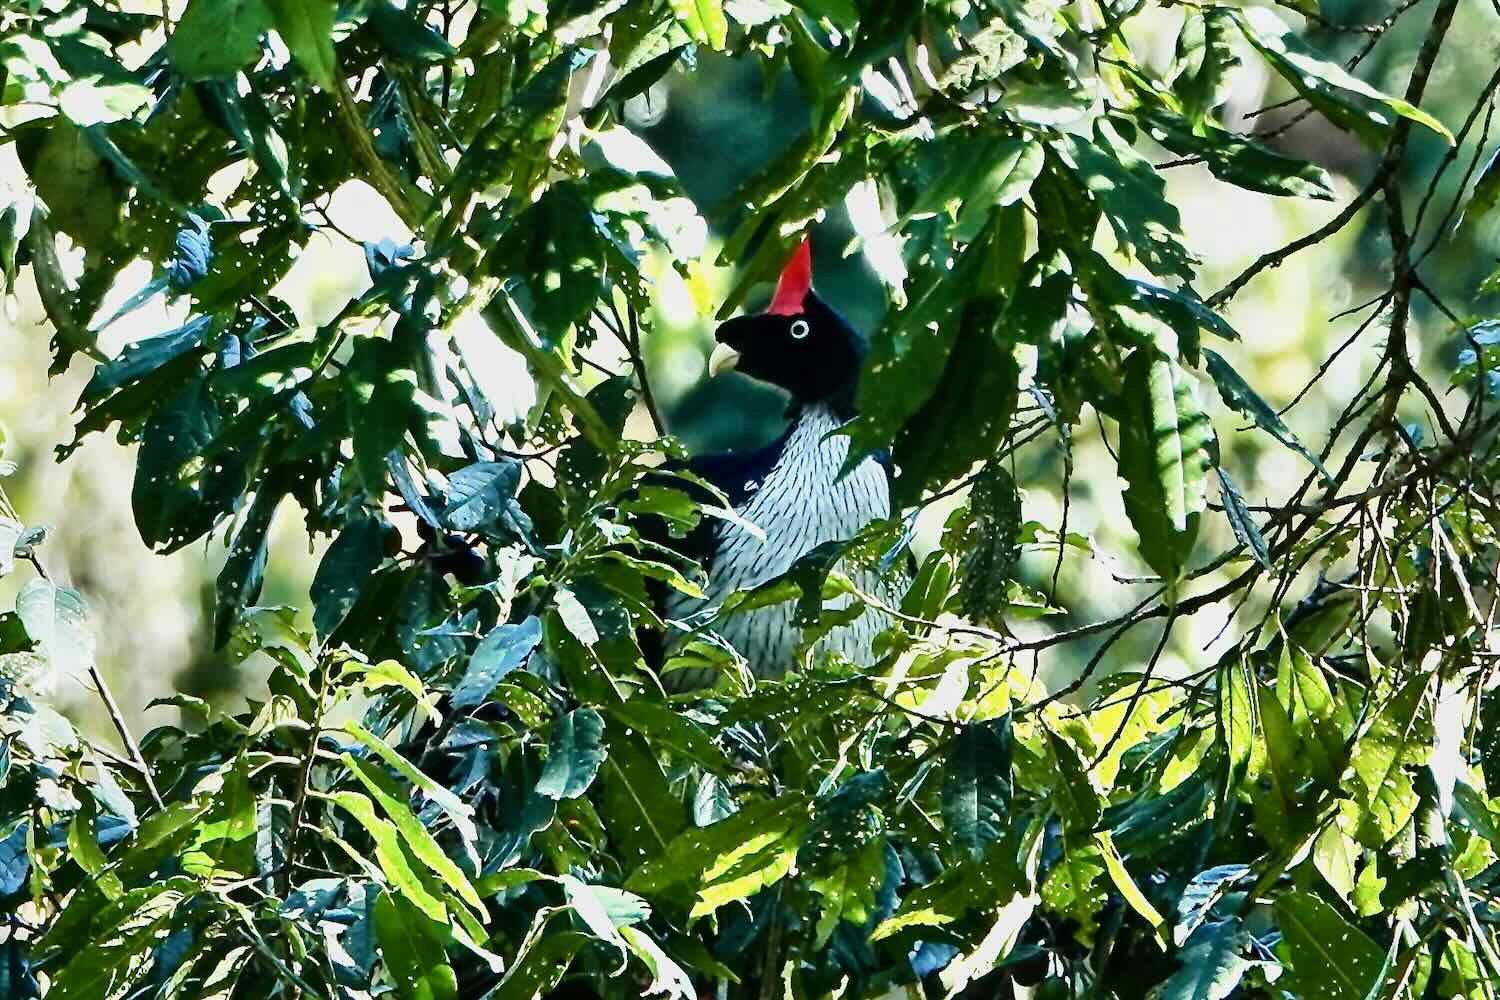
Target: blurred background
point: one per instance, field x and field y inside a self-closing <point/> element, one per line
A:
<point x="152" y="614"/>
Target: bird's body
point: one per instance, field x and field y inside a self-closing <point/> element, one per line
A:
<point x="793" y="494"/>
<point x="792" y="490"/>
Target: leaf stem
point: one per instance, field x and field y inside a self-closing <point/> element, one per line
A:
<point x="304" y="779"/>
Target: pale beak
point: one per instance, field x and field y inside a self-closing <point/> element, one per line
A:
<point x="723" y="359"/>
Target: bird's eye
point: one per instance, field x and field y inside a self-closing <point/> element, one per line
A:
<point x="800" y="329"/>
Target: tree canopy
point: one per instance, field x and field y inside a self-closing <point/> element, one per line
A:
<point x="465" y="778"/>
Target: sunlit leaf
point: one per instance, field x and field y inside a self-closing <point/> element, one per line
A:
<point x="1164" y="458"/>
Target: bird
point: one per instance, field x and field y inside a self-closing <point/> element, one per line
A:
<point x="795" y="491"/>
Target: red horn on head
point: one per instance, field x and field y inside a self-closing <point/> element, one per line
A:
<point x="794" y="284"/>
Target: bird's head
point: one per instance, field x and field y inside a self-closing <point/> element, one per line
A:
<point x="798" y="343"/>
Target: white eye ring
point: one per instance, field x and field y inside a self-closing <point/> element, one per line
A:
<point x="800" y="329"/>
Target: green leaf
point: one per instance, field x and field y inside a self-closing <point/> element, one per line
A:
<point x="542" y="962"/>
<point x="667" y="727"/>
<point x="413" y="947"/>
<point x="1142" y="314"/>
<point x="390" y="855"/>
<point x="849" y="891"/>
<point x="460" y="813"/>
<point x="667" y="977"/>
<point x="1462" y="975"/>
<point x="143" y="357"/>
<point x="1333" y="856"/>
<point x="1201" y="67"/>
<point x="218" y="37"/>
<point x="1280" y="815"/>
<point x="345" y="570"/>
<point x="1398" y="738"/>
<point x="916" y="389"/>
<point x="1125" y="883"/>
<point x="782" y="179"/>
<point x="498" y="653"/>
<point x="418" y="840"/>
<point x="1073" y="889"/>
<point x="224" y="843"/>
<point x="1327" y="86"/>
<point x="574" y="753"/>
<point x="1132" y="196"/>
<point x="1331" y="958"/>
<point x="969" y="412"/>
<point x="307" y="28"/>
<point x="1239" y="396"/>
<point x="985" y="535"/>
<point x="1242" y="520"/>
<point x="1164" y="457"/>
<point x="1241" y="162"/>
<point x="704" y="20"/>
<point x="717" y="859"/>
<point x="56" y="619"/>
<point x="1235" y="724"/>
<point x="407" y="36"/>
<point x="1320" y="717"/>
<point x="1485" y="197"/>
<point x="183" y="481"/>
<point x="638" y="805"/>
<point x="575" y="616"/>
<point x="981" y="171"/>
<point x="1213" y="963"/>
<point x="121" y="933"/>
<point x="480" y="495"/>
<point x="977" y="785"/>
<point x="239" y="582"/>
<point x="1201" y="895"/>
<point x="380" y="406"/>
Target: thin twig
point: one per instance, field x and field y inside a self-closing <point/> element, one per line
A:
<point x="112" y="707"/>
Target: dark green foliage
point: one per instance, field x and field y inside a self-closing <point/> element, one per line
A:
<point x="467" y="778"/>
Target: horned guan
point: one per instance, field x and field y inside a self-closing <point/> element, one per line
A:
<point x="795" y="491"/>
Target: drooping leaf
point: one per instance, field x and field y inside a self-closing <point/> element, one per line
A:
<point x="1333" y="90"/>
<point x="1242" y="519"/>
<point x="977" y="784"/>
<point x="721" y="855"/>
<point x="307" y="28"/>
<point x="345" y="570"/>
<point x="57" y="620"/>
<point x="1486" y="194"/>
<point x="413" y="948"/>
<point x="184" y="482"/>
<point x="459" y="812"/>
<point x="1164" y="457"/>
<point x="1200" y="896"/>
<point x="390" y="856"/>
<point x="704" y="20"/>
<point x="480" y="495"/>
<point x="1202" y="64"/>
<point x="986" y="537"/>
<point x="1132" y="197"/>
<point x="1074" y="888"/>
<point x="239" y="582"/>
<point x="422" y="845"/>
<point x="144" y="357"/>
<point x="1241" y="162"/>
<point x="1239" y="396"/>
